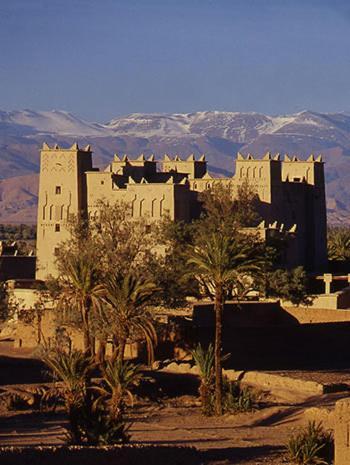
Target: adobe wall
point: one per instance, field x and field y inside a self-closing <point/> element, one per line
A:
<point x="318" y="315"/>
<point x="17" y="267"/>
<point x="244" y="314"/>
<point x="130" y="454"/>
<point x="62" y="192"/>
<point x="267" y="336"/>
<point x="342" y="432"/>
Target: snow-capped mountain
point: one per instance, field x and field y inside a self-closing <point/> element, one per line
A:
<point x="47" y="122"/>
<point x="218" y="134"/>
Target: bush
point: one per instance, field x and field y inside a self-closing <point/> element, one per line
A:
<point x="95" y="410"/>
<point x="236" y="398"/>
<point x="101" y="428"/>
<point x="204" y="360"/>
<point x="312" y="445"/>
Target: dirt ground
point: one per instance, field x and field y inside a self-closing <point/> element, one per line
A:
<point x="254" y="438"/>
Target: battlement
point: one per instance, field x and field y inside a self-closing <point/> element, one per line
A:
<point x="194" y="168"/>
<point x="75" y="147"/>
<point x="138" y="167"/>
<point x="275" y="170"/>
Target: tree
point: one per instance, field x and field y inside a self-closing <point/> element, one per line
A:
<point x="339" y="243"/>
<point x="220" y="261"/>
<point x="118" y="378"/>
<point x="78" y="284"/>
<point x="226" y="210"/>
<point x="125" y="243"/>
<point x="73" y="370"/>
<point x="204" y="360"/>
<point x="223" y="256"/>
<point x="290" y="285"/>
<point x="170" y="269"/>
<point x="125" y="314"/>
<point x="111" y="245"/>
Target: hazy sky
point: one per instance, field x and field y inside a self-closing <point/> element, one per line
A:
<point x="103" y="58"/>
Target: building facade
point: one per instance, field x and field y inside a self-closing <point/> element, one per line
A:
<point x="291" y="195"/>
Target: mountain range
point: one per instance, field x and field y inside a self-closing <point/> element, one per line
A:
<point x="217" y="134"/>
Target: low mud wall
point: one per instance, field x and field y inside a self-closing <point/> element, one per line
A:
<point x="303" y="346"/>
<point x="318" y="315"/>
<point x="121" y="455"/>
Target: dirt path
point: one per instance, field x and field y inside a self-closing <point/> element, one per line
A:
<point x="255" y="438"/>
<point x="247" y="439"/>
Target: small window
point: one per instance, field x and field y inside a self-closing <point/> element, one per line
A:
<point x="58" y="190"/>
<point x="57" y="228"/>
<point x="102" y="182"/>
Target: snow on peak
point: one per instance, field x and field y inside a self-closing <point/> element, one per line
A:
<point x="235" y="126"/>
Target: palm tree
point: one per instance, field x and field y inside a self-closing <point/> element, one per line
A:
<point x="72" y="369"/>
<point x="220" y="260"/>
<point x="339" y="243"/>
<point x="80" y="290"/>
<point x="126" y="314"/>
<point x="117" y="379"/>
<point x="204" y="360"/>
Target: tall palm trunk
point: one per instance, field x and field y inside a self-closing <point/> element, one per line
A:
<point x="122" y="345"/>
<point x="218" y="307"/>
<point x="101" y="351"/>
<point x="86" y="328"/>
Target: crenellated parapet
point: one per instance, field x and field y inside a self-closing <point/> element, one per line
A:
<point x="75" y="147"/>
<point x="191" y="166"/>
<point x="273" y="168"/>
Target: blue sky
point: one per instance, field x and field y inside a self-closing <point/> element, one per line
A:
<point x="104" y="58"/>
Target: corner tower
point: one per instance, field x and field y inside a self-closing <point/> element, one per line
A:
<point x="62" y="192"/>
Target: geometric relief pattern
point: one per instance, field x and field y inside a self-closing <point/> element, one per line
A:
<point x="44" y="163"/>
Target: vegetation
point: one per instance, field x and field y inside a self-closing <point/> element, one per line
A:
<point x="291" y="285"/>
<point x="118" y="378"/>
<point x="17" y="232"/>
<point x="204" y="360"/>
<point x="115" y="268"/>
<point x="170" y="268"/>
<point x="79" y="289"/>
<point x="311" y="445"/>
<point x="234" y="398"/>
<point x="95" y="409"/>
<point x="339" y="243"/>
<point x="223" y="258"/>
<point x="104" y="284"/>
<point x="72" y="369"/>
<point x="124" y="312"/>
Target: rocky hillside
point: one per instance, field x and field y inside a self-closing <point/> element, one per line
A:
<point x="217" y="134"/>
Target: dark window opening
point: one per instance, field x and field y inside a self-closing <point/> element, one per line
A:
<point x="57" y="228"/>
<point x="58" y="189"/>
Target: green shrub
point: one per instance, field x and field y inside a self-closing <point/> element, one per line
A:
<point x="103" y="428"/>
<point x="312" y="445"/>
<point x="204" y="360"/>
<point x="95" y="410"/>
<point x="236" y="398"/>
